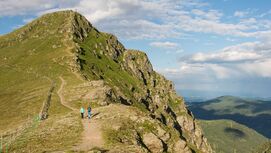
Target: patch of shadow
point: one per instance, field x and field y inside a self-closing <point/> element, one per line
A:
<point x="211" y="101"/>
<point x="124" y="101"/>
<point x="100" y="150"/>
<point x="95" y="114"/>
<point x="261" y="106"/>
<point x="235" y="132"/>
<point x="242" y="106"/>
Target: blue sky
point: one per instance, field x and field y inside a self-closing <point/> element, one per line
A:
<point x="206" y="47"/>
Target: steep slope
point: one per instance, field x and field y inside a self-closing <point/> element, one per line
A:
<point x="136" y="109"/>
<point x="228" y="136"/>
<point x="255" y="114"/>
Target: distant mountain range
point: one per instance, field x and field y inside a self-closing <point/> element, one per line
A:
<point x="255" y="114"/>
<point x="233" y="122"/>
<point x="202" y="96"/>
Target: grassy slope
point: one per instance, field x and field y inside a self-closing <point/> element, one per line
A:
<point x="26" y="64"/>
<point x="227" y="136"/>
<point x="32" y="57"/>
<point x="254" y="114"/>
<point x="39" y="58"/>
<point x="104" y="67"/>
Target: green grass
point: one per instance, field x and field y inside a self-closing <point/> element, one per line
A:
<point x="30" y="58"/>
<point x="99" y="66"/>
<point x="54" y="134"/>
<point x="226" y="136"/>
<point x="125" y="134"/>
<point x="27" y="62"/>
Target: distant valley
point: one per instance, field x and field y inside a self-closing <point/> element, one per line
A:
<point x="234" y="120"/>
<point x="255" y="114"/>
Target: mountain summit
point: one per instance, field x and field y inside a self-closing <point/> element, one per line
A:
<point x="58" y="63"/>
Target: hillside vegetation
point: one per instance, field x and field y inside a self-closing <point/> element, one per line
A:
<point x="60" y="62"/>
<point x="255" y="114"/>
<point x="227" y="136"/>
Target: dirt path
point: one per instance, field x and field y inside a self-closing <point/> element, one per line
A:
<point x="92" y="134"/>
<point x="60" y="94"/>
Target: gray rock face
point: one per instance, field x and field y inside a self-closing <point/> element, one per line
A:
<point x="161" y="99"/>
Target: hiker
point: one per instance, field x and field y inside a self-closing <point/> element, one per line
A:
<point x="89" y="112"/>
<point x="82" y="112"/>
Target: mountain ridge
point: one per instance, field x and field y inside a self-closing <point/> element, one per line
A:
<point x="96" y="66"/>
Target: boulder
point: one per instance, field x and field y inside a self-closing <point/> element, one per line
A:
<point x="153" y="143"/>
<point x="181" y="147"/>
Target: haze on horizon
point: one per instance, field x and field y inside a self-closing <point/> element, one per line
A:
<point x="203" y="46"/>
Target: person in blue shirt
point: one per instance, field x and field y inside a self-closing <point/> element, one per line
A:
<point x="82" y="112"/>
<point x="89" y="112"/>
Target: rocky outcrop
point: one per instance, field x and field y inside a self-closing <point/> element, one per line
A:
<point x="131" y="80"/>
<point x="163" y="102"/>
<point x="137" y="63"/>
<point x="93" y="91"/>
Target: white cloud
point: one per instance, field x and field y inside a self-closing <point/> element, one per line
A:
<point x="240" y="14"/>
<point x="225" y="56"/>
<point x="260" y="68"/>
<point x="208" y="15"/>
<point x="132" y="19"/>
<point x="207" y="72"/>
<point x="168" y="47"/>
<point x="210" y="26"/>
<point x="238" y="61"/>
<point x="23" y="7"/>
<point x="165" y="45"/>
<point x="142" y="19"/>
<point x="245" y="52"/>
<point x="265" y="14"/>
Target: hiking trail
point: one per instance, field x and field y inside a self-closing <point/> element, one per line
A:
<point x="60" y="94"/>
<point x="92" y="134"/>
